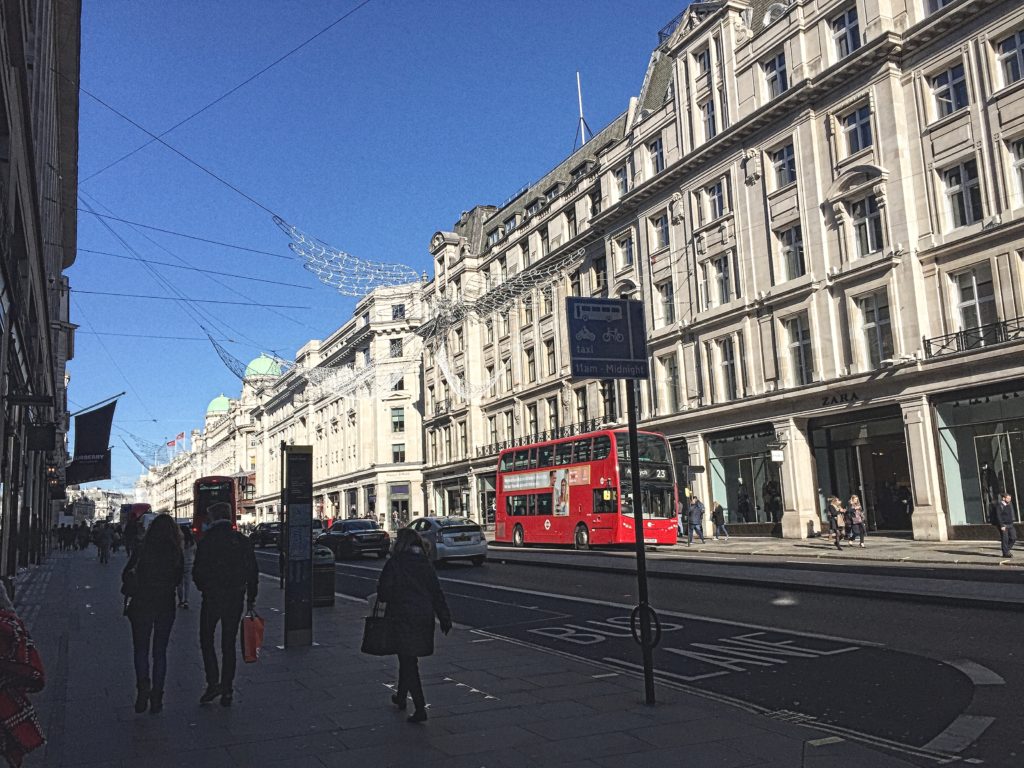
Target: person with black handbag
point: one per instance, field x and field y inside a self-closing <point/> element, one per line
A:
<point x="148" y="582"/>
<point x="409" y="587"/>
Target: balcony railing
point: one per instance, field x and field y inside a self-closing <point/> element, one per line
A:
<point x="569" y="430"/>
<point x="981" y="337"/>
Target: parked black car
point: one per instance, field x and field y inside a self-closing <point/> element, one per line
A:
<point x="351" y="538"/>
<point x="265" y="534"/>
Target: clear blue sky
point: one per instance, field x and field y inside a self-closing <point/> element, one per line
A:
<point x="373" y="137"/>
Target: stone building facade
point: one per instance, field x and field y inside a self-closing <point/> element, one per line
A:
<point x="39" y="66"/>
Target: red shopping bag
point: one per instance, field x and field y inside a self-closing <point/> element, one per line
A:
<point x="252" y="636"/>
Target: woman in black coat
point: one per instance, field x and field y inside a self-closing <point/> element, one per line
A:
<point x="409" y="587"/>
<point x="149" y="581"/>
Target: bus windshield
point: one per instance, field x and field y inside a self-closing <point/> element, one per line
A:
<point x="656" y="502"/>
<point x="653" y="448"/>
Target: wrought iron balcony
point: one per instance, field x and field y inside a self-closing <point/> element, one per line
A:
<point x="983" y="336"/>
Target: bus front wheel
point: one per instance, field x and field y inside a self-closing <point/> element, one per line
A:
<point x="518" y="539"/>
<point x="581" y="540"/>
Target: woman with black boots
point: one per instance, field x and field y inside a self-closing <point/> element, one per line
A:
<point x="148" y="583"/>
<point x="409" y="587"/>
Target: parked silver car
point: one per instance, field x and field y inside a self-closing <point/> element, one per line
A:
<point x="452" y="538"/>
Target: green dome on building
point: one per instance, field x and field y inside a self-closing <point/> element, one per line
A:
<point x="219" y="404"/>
<point x="262" y="366"/>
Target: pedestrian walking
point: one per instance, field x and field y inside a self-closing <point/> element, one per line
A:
<point x="132" y="534"/>
<point x="836" y="519"/>
<point x="1003" y="515"/>
<point x="104" y="540"/>
<point x="696" y="521"/>
<point x="83" y="536"/>
<point x="718" y="520"/>
<point x="855" y="519"/>
<point x="409" y="587"/>
<point x="148" y="581"/>
<point x="188" y="548"/>
<point x="118" y="538"/>
<point x="225" y="572"/>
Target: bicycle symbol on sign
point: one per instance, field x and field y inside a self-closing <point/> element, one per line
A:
<point x="613" y="334"/>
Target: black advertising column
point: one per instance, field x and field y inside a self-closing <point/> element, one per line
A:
<point x="298" y="499"/>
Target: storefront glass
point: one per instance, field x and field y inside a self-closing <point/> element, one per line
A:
<point x="868" y="458"/>
<point x="981" y="444"/>
<point x="398" y="503"/>
<point x="743" y="478"/>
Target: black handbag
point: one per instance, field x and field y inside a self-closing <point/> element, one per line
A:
<point x="378" y="636"/>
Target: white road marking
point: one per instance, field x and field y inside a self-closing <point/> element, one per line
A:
<point x="605" y="674"/>
<point x="960" y="734"/>
<point x="979" y="674"/>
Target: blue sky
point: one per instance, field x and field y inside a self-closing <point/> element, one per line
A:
<point x="372" y="137"/>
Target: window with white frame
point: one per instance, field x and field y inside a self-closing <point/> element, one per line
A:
<point x="659" y="231"/>
<point x="600" y="274"/>
<point x="846" y="32"/>
<point x="624" y="251"/>
<point x="398" y="420"/>
<point x="492" y="429"/>
<point x="582" y="409"/>
<point x="621" y="180"/>
<point x="395" y="347"/>
<point x="504" y="323"/>
<point x="727" y="359"/>
<point x="976" y="305"/>
<point x="867" y="225"/>
<point x="506" y="371"/>
<point x="510" y="425"/>
<point x="398" y="311"/>
<point x="949" y="89"/>
<point x="570" y="223"/>
<point x="1010" y="54"/>
<point x="549" y="357"/>
<point x="528" y="309"/>
<point x="668" y="302"/>
<point x="877" y="328"/>
<point x="656" y="156"/>
<point x="703" y="60"/>
<point x="963" y="193"/>
<point x="489" y="332"/>
<point x="398" y="453"/>
<point x="547" y="300"/>
<point x="531" y="364"/>
<point x="784" y="162"/>
<point x="934" y="6"/>
<point x="575" y="284"/>
<point x="552" y="404"/>
<point x="716" y="281"/>
<point x="545" y="242"/>
<point x="1017" y="153"/>
<point x="532" y="425"/>
<point x="857" y="129"/>
<point x="670" y="371"/>
<point x="798" y="340"/>
<point x="609" y="400"/>
<point x="510" y="224"/>
<point x="494" y="236"/>
<point x="707" y="110"/>
<point x="775" y="75"/>
<point x="791" y="243"/>
<point x="714" y="200"/>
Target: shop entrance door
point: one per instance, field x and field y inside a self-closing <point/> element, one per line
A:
<point x="760" y="480"/>
<point x="1000" y="466"/>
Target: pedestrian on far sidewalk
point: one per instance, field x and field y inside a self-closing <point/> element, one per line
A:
<point x="188" y="548"/>
<point x="104" y="540"/>
<point x="225" y="573"/>
<point x="855" y="519"/>
<point x="696" y="520"/>
<point x="836" y="519"/>
<point x="1002" y="515"/>
<point x="409" y="587"/>
<point x="718" y="520"/>
<point x="149" y="580"/>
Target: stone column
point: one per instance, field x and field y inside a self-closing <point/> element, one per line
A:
<point x="929" y="516"/>
<point x="800" y="516"/>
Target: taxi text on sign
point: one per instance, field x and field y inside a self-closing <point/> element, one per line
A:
<point x="607" y="339"/>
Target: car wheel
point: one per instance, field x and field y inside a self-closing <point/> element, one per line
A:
<point x="581" y="539"/>
<point x="518" y="538"/>
<point x="478" y="560"/>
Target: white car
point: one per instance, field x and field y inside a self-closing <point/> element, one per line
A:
<point x="452" y="538"/>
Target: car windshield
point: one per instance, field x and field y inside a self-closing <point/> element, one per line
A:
<point x="446" y="522"/>
<point x="355" y="525"/>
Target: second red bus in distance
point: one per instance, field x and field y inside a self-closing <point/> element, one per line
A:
<point x="578" y="490"/>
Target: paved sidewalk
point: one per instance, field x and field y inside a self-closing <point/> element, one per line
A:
<point x="493" y="703"/>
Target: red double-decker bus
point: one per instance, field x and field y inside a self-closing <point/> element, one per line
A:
<point x="578" y="490"/>
<point x="207" y="491"/>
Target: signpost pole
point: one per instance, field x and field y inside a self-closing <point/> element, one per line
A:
<point x="641" y="554"/>
<point x="298" y="589"/>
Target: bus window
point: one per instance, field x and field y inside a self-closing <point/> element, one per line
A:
<point x="522" y="459"/>
<point x="544" y="456"/>
<point x="533" y="458"/>
<point x="563" y="453"/>
<point x="604" y="501"/>
<point x="602" y="447"/>
<point x="530" y="504"/>
<point x="514" y="506"/>
<point x="506" y="462"/>
<point x="543" y="504"/>
<point x="652" y="447"/>
<point x="582" y="451"/>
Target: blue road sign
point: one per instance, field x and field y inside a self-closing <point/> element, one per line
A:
<point x="607" y="339"/>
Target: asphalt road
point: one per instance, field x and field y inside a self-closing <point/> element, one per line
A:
<point x="931" y="683"/>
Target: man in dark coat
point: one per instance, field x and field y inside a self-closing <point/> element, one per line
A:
<point x="409" y="587"/>
<point x="696" y="520"/>
<point x="1002" y="515"/>
<point x="225" y="572"/>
